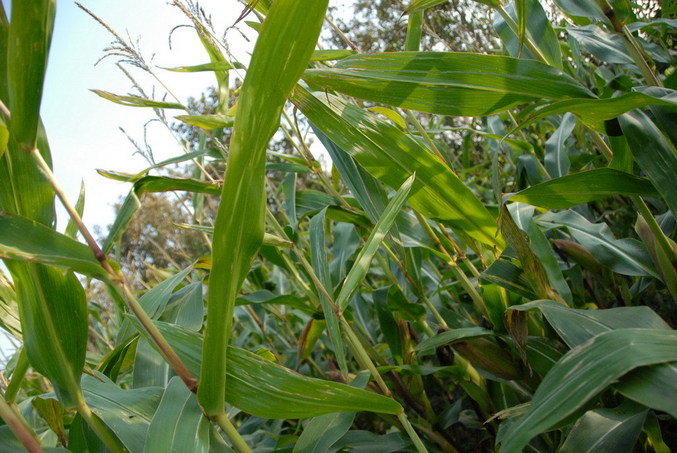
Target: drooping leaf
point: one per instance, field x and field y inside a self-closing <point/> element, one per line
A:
<point x="644" y="385"/>
<point x="625" y="256"/>
<point x="603" y="430"/>
<point x="392" y="156"/>
<point x="594" y="111"/>
<point x="584" y="372"/>
<point x="127" y="413"/>
<point x="265" y="389"/>
<point x="584" y="187"/>
<point x="26" y="240"/>
<point x="457" y="84"/>
<point x="654" y="153"/>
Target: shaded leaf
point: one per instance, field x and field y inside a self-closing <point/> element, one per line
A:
<point x="178" y="424"/>
<point x="584" y="187"/>
<point x="584" y="372"/>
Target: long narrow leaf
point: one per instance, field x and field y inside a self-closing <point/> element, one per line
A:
<point x="26" y="240"/>
<point x="584" y="372"/>
<point x="358" y="272"/>
<point x="30" y="34"/>
<point x="282" y="52"/>
<point x="265" y="389"/>
<point x="458" y="84"/>
<point x="392" y="156"/>
<point x="584" y="187"/>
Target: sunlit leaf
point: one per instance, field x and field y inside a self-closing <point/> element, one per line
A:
<point x="136" y="101"/>
<point x="446" y="83"/>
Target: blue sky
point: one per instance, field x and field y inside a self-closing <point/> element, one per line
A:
<point x="83" y="129"/>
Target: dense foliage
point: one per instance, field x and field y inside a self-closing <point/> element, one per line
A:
<point x="489" y="264"/>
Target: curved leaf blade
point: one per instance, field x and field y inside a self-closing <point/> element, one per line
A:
<point x="265" y="389"/>
<point x="392" y="156"/>
<point x="459" y="84"/>
<point x="584" y="372"/>
<point x="584" y="187"/>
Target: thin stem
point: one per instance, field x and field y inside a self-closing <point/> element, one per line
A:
<point x="418" y="443"/>
<point x="421" y="130"/>
<point x="111" y="442"/>
<point x="117" y="279"/>
<point x="22" y="431"/>
<point x="73" y="213"/>
<point x="527" y="39"/>
<point x="156" y="336"/>
<point x="235" y="438"/>
<point x="638" y="56"/>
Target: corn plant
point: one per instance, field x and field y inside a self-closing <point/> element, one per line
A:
<point x="500" y="283"/>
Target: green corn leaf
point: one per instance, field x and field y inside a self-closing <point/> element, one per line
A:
<point x="265" y="389"/>
<point x="458" y="84"/>
<point x="364" y="187"/>
<point x="132" y="202"/>
<point x="604" y="430"/>
<point x="392" y="156"/>
<point x="584" y="187"/>
<point x="214" y="66"/>
<point x="4" y="137"/>
<point x="165" y="184"/>
<point x="358" y="272"/>
<point x="654" y="153"/>
<point x="576" y="326"/>
<point x="532" y="22"/>
<point x="420" y="5"/>
<point x="127" y="413"/>
<point x="583" y="373"/>
<point x="645" y="385"/>
<point x="207" y="122"/>
<point x="282" y="52"/>
<point x="136" y="101"/>
<point x="30" y="34"/>
<point x="320" y="263"/>
<point x="595" y="111"/>
<point x="178" y="423"/>
<point x="53" y="310"/>
<point x="72" y="228"/>
<point x="331" y="54"/>
<point x="556" y="158"/>
<point x="453" y="336"/>
<point x="26" y="240"/>
<point x="625" y="256"/>
<point x="9" y="308"/>
<point x="582" y="12"/>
